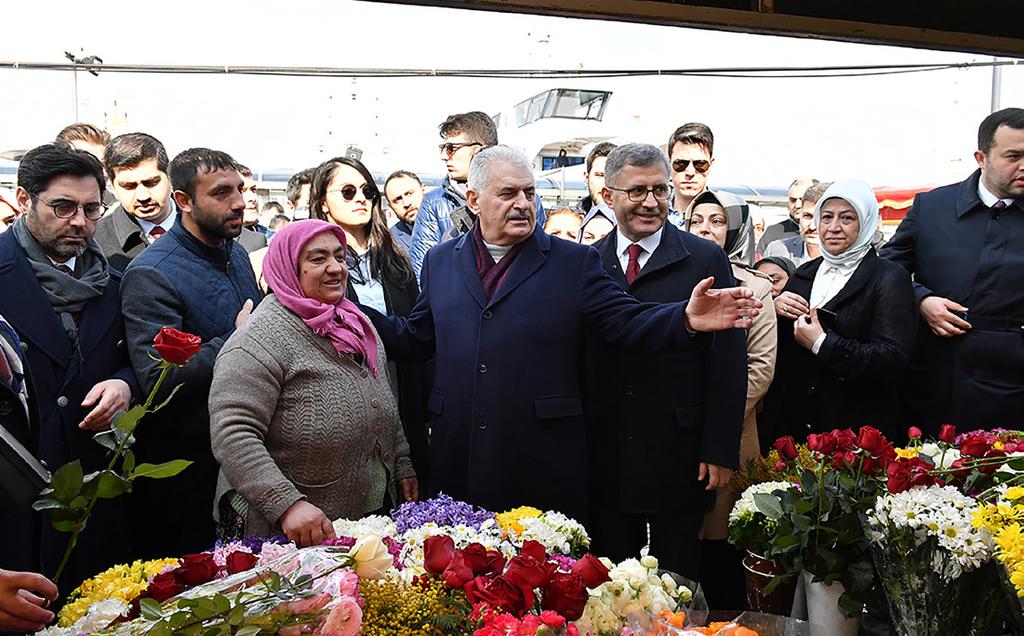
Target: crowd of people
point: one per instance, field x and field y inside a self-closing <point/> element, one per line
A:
<point x="615" y="361"/>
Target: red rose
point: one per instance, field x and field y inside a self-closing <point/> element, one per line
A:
<point x="528" y="573"/>
<point x="197" y="568"/>
<point x="176" y="347"/>
<point x="988" y="469"/>
<point x="498" y="593"/>
<point x="591" y="570"/>
<point x="786" y="447"/>
<point x="458" y="572"/>
<point x="898" y="477"/>
<point x="823" y="443"/>
<point x="780" y="466"/>
<point x="871" y="440"/>
<point x="164" y="586"/>
<point x="947" y="433"/>
<point x="914" y="433"/>
<point x="845" y="439"/>
<point x="483" y="561"/>
<point x="554" y="620"/>
<point x="533" y="550"/>
<point x="974" y="446"/>
<point x="437" y="553"/>
<point x="565" y="594"/>
<point x="869" y="465"/>
<point x="239" y="561"/>
<point x="960" y="471"/>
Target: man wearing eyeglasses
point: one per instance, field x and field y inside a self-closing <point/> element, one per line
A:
<point x="61" y="299"/>
<point x="691" y="154"/>
<point x="665" y="426"/>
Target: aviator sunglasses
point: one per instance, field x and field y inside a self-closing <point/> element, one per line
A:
<point x="700" y="165"/>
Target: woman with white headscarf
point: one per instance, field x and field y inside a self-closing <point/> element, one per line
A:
<point x="847" y="323"/>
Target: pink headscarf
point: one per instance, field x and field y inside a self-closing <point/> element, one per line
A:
<point x="348" y="328"/>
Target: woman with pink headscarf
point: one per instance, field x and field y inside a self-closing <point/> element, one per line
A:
<point x="302" y="417"/>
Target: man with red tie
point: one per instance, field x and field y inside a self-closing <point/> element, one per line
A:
<point x="136" y="165"/>
<point x="964" y="245"/>
<point x="664" y="427"/>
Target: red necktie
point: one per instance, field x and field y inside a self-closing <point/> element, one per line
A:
<point x="633" y="266"/>
<point x="156" y="233"/>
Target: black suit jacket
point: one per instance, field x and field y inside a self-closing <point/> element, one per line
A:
<point x="957" y="248"/>
<point x="859" y="372"/>
<point x="654" y="417"/>
<point x="120" y="237"/>
<point x="59" y="380"/>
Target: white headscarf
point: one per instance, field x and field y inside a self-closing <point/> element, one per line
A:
<point x="860" y="195"/>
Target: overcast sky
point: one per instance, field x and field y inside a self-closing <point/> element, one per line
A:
<point x="898" y="130"/>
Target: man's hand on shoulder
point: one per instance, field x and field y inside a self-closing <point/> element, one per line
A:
<point x="719" y="309"/>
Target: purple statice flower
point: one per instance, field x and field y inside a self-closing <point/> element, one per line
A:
<point x="395" y="549"/>
<point x="564" y="563"/>
<point x="342" y="541"/>
<point x="255" y="544"/>
<point x="442" y="510"/>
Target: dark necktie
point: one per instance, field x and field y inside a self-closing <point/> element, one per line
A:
<point x="156" y="233"/>
<point x="633" y="266"/>
<point x="64" y="268"/>
<point x="998" y="208"/>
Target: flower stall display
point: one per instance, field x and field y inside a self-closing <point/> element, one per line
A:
<point x="752" y="530"/>
<point x="433" y="567"/>
<point x="932" y="562"/>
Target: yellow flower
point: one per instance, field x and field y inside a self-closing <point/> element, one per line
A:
<point x="509" y="521"/>
<point x="1014" y="493"/>
<point x="908" y="453"/>
<point x="123" y="582"/>
<point x="998" y="445"/>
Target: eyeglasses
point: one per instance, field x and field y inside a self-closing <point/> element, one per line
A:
<point x="348" y="191"/>
<point x="700" y="165"/>
<point x="638" y="194"/>
<point x="65" y="208"/>
<point x="449" y="149"/>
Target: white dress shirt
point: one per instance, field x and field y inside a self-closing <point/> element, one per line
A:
<point x="70" y="262"/>
<point x="988" y="198"/>
<point x="648" y="243"/>
<point x="829" y="280"/>
<point x="147" y="226"/>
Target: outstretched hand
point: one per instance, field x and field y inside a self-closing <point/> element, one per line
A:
<point x="718" y="309"/>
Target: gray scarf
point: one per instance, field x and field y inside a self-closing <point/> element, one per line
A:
<point x="67" y="294"/>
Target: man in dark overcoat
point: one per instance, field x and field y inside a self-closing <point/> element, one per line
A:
<point x="61" y="299"/>
<point x="665" y="426"/>
<point x="964" y="245"/>
<point x="507" y="309"/>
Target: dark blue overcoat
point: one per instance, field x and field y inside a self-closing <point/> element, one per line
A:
<point x="59" y="380"/>
<point x="957" y="248"/>
<point x="507" y="414"/>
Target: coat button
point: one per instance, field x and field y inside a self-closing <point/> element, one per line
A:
<point x="363" y="373"/>
<point x="62" y="401"/>
<point x="6" y="407"/>
<point x="629" y="391"/>
<point x="24" y="346"/>
<point x="810" y="390"/>
<point x="629" y="433"/>
<point x="483" y="368"/>
<point x="488" y="314"/>
<point x="483" y="424"/>
<point x="375" y="403"/>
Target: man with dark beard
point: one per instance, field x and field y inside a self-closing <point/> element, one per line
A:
<point x="197" y="279"/>
<point x="70" y="375"/>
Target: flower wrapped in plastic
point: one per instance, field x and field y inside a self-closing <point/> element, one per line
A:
<point x="933" y="563"/>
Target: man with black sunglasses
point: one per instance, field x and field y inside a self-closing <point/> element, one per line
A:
<point x="691" y="154"/>
<point x="61" y="299"/>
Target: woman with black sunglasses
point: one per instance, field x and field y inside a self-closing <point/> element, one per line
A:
<point x="380" y="276"/>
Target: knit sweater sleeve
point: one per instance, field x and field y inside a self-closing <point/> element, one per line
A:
<point x="243" y="399"/>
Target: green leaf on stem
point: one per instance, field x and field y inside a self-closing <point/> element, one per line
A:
<point x="111" y="485"/>
<point x="160" y="471"/>
<point x="66" y="520"/>
<point x="106" y="439"/>
<point x="129" y="420"/>
<point x="128" y="465"/>
<point x="46" y="503"/>
<point x="67" y="481"/>
<point x="248" y="630"/>
<point x="769" y="505"/>
<point x="150" y="609"/>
